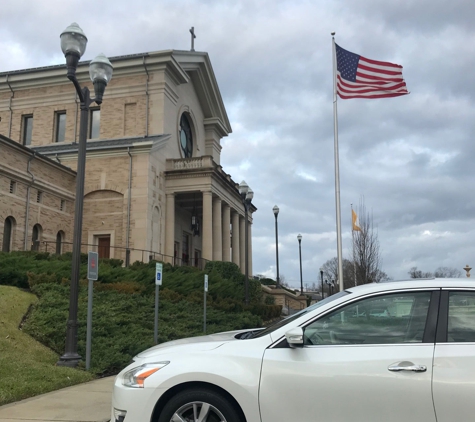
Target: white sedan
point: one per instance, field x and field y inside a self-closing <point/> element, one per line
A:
<point x="398" y="351"/>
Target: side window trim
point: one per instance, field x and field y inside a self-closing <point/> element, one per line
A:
<point x="441" y="336"/>
<point x="432" y="318"/>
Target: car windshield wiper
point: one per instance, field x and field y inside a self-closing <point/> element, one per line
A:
<point x="248" y="334"/>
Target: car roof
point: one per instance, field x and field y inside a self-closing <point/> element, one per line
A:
<point x="415" y="283"/>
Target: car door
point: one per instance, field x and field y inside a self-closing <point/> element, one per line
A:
<point x="369" y="360"/>
<point x="454" y="357"/>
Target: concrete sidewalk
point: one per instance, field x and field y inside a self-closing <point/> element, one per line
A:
<point x="88" y="402"/>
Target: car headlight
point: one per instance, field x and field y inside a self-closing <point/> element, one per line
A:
<point x="136" y="377"/>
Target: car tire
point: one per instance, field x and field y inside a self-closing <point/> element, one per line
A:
<point x="209" y="405"/>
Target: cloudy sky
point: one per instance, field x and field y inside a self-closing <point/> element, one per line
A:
<point x="411" y="158"/>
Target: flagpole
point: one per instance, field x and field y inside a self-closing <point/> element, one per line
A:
<point x="353" y="241"/>
<point x="337" y="172"/>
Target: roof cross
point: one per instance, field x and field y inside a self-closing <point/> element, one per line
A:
<point x="193" y="36"/>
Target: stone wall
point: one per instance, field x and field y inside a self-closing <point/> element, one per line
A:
<point x="286" y="299"/>
<point x="34" y="185"/>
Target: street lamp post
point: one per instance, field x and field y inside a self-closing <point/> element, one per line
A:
<point x="276" y="213"/>
<point x="321" y="276"/>
<point x="299" y="238"/>
<point x="73" y="44"/>
<point x="246" y="195"/>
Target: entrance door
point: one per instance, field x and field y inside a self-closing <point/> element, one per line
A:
<point x="197" y="257"/>
<point x="104" y="246"/>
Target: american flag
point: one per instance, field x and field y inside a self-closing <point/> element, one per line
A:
<point x="359" y="77"/>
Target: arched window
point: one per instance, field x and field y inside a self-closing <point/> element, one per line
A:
<point x="186" y="137"/>
<point x="36" y="237"/>
<point x="8" y="234"/>
<point x="59" y="242"/>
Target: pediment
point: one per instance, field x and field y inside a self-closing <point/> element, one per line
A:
<point x="198" y="67"/>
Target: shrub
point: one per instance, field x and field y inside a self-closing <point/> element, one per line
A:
<point x="266" y="312"/>
<point x="225" y="269"/>
<point x="123" y="305"/>
<point x="267" y="282"/>
<point x="34" y="279"/>
<point x="12" y="277"/>
<point x="127" y="287"/>
<point x="115" y="263"/>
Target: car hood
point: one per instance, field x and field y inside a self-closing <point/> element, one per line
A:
<point x="200" y="343"/>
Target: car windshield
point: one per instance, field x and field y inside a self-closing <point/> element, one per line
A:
<point x="293" y="317"/>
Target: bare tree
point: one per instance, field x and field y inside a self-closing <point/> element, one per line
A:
<point x="330" y="272"/>
<point x="447" y="272"/>
<point x="382" y="276"/>
<point x="367" y="250"/>
<point x="415" y="273"/>
<point x="283" y="281"/>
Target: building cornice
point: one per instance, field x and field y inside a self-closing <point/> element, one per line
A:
<point x="105" y="147"/>
<point x="30" y="152"/>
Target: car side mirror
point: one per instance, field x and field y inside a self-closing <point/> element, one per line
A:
<point x="295" y="337"/>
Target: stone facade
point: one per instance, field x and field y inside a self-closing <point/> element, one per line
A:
<point x="35" y="198"/>
<point x="290" y="302"/>
<point x="141" y="187"/>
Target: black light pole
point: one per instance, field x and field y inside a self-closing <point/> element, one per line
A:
<point x="321" y="276"/>
<point x="299" y="238"/>
<point x="73" y="44"/>
<point x="246" y="195"/>
<point x="276" y="213"/>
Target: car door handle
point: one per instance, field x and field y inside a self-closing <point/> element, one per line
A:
<point x="407" y="366"/>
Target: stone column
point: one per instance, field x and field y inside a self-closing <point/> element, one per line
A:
<point x="250" y="246"/>
<point x="207" y="231"/>
<point x="242" y="244"/>
<point x="226" y="232"/>
<point x="170" y="227"/>
<point x="235" y="242"/>
<point x="217" y="231"/>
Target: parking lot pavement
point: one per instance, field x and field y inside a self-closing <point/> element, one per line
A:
<point x="88" y="402"/>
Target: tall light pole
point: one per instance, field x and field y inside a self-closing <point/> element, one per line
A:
<point x="246" y="195"/>
<point x="73" y="44"/>
<point x="321" y="276"/>
<point x="299" y="238"/>
<point x="276" y="213"/>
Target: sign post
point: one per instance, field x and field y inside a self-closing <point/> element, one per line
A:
<point x="158" y="283"/>
<point x="92" y="274"/>
<point x="204" y="302"/>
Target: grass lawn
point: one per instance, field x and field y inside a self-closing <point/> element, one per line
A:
<point x="27" y="368"/>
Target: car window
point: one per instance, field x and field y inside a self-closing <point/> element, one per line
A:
<point x="293" y="317"/>
<point x="384" y="319"/>
<point x="461" y="322"/>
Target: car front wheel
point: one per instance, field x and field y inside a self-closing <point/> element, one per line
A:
<point x="199" y="406"/>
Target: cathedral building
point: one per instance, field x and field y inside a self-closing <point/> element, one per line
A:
<point x="154" y="186"/>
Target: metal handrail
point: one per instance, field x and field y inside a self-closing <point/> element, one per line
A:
<point x="146" y="255"/>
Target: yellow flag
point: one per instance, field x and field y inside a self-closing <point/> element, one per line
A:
<point x="354" y="218"/>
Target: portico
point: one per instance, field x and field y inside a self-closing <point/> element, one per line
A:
<point x="200" y="187"/>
